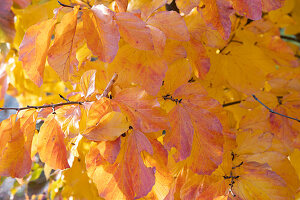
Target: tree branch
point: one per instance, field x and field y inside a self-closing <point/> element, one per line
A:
<point x="289" y="38"/>
<point x="104" y="94"/>
<point x="272" y="111"/>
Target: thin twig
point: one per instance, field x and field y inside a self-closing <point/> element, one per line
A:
<point x="272" y="111"/>
<point x="231" y="103"/>
<point x="53" y="106"/>
<point x="61" y="96"/>
<point x="64" y="5"/>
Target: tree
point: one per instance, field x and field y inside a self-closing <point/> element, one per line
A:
<point x="145" y="99"/>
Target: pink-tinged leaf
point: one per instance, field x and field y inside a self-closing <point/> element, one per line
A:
<point x="134" y="31"/>
<point x="7" y="21"/>
<point x="122" y="5"/>
<point x="142" y="109"/>
<point x="109" y="150"/>
<point x="34" y="49"/>
<point x="62" y="54"/>
<point x="252" y="9"/>
<point x="15" y="146"/>
<point x="159" y="39"/>
<point x="171" y="23"/>
<point x="203" y="187"/>
<point x="87" y="82"/>
<point x="283" y="129"/>
<point x="51" y="146"/>
<point x="196" y="121"/>
<point x="128" y="177"/>
<point x="268" y="5"/>
<point x="185" y="6"/>
<point x="181" y="133"/>
<point x="208" y="140"/>
<point x="216" y="14"/>
<point x="199" y="57"/>
<point x="101" y="32"/>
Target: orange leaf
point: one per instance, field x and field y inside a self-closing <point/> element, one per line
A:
<point x="62" y="54"/>
<point x="127" y="179"/>
<point x="15" y="146"/>
<point x="97" y="110"/>
<point x="134" y="31"/>
<point x="101" y="33"/>
<point x="51" y="146"/>
<point x="216" y="13"/>
<point x="171" y="23"/>
<point x="34" y="48"/>
<point x="142" y="109"/>
<point x="110" y="127"/>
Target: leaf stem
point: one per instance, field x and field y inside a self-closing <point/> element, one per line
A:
<point x="272" y="111"/>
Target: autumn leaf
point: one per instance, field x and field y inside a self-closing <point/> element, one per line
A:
<point x="128" y="177"/>
<point x="51" y="146"/>
<point x="61" y="55"/>
<point x="251" y="9"/>
<point x="134" y="31"/>
<point x="258" y="180"/>
<point x="87" y="82"/>
<point x="34" y="49"/>
<point x="186" y="6"/>
<point x="15" y="147"/>
<point x="101" y="32"/>
<point x="142" y="110"/>
<point x="142" y="67"/>
<point x="171" y="23"/>
<point x="216" y="14"/>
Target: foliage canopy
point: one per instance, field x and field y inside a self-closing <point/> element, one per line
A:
<point x="151" y="99"/>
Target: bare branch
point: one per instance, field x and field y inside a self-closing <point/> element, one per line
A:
<point x="53" y="106"/>
<point x="272" y="111"/>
